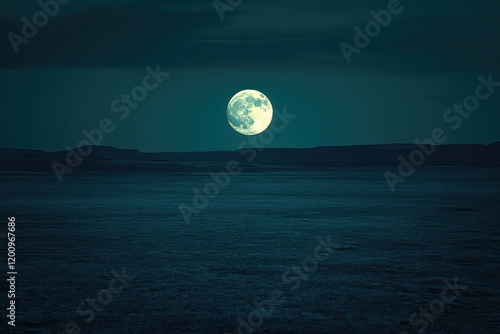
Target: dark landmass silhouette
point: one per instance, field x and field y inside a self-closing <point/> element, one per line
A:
<point x="110" y="159"/>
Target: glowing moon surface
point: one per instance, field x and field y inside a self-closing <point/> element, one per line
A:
<point x="249" y="112"/>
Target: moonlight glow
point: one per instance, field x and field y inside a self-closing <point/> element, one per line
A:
<point x="249" y="112"/>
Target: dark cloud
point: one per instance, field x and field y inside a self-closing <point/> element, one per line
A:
<point x="283" y="34"/>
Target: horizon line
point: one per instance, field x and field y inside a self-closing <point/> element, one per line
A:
<point x="265" y="148"/>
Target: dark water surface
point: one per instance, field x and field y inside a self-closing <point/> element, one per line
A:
<point x="393" y="251"/>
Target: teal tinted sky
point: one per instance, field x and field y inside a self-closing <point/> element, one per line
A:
<point x="66" y="78"/>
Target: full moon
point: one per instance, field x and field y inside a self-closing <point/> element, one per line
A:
<point x="249" y="112"/>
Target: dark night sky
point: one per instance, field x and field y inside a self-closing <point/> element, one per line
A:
<point x="65" y="79"/>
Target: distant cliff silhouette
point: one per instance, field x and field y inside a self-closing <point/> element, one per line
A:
<point x="110" y="159"/>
